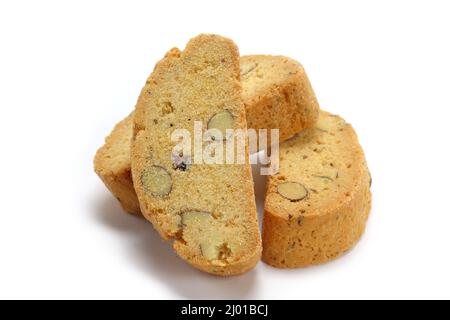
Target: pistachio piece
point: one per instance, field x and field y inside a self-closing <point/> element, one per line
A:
<point x="156" y="181"/>
<point x="223" y="120"/>
<point x="292" y="191"/>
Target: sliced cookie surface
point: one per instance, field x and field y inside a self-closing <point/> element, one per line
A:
<point x="207" y="209"/>
<point x="276" y="94"/>
<point x="316" y="208"/>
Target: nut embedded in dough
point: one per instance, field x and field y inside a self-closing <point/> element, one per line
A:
<point x="292" y="191"/>
<point x="156" y="181"/>
<point x="223" y="120"/>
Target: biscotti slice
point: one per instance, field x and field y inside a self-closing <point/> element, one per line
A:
<point x="207" y="209"/>
<point x="317" y="206"/>
<point x="112" y="164"/>
<point x="277" y="95"/>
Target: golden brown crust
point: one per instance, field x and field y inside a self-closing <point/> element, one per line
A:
<point x="330" y="163"/>
<point x="195" y="85"/>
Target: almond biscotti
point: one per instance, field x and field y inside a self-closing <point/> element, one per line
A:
<point x="316" y="208"/>
<point x="112" y="164"/>
<point x="207" y="209"/>
<point x="276" y="94"/>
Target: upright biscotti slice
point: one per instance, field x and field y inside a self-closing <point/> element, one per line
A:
<point x="316" y="208"/>
<point x="208" y="209"/>
<point x="277" y="95"/>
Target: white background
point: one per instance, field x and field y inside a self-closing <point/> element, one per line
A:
<point x="69" y="70"/>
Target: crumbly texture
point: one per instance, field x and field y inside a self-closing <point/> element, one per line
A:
<point x="316" y="208"/>
<point x="276" y="94"/>
<point x="208" y="210"/>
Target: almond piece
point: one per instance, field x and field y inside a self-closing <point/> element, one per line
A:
<point x="156" y="181"/>
<point x="292" y="191"/>
<point x="223" y="120"/>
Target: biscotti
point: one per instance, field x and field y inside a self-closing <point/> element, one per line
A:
<point x="112" y="164"/>
<point x="316" y="208"/>
<point x="276" y="94"/>
<point x="208" y="210"/>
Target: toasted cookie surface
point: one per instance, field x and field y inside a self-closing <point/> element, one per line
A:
<point x="316" y="208"/>
<point x="112" y="164"/>
<point x="207" y="209"/>
<point x="276" y="94"/>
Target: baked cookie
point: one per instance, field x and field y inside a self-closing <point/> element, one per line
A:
<point x="112" y="164"/>
<point x="207" y="209"/>
<point x="276" y="94"/>
<point x="316" y="208"/>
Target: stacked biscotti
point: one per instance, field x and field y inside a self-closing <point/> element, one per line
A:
<point x="317" y="203"/>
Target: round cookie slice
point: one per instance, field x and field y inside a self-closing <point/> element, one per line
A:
<point x="317" y="206"/>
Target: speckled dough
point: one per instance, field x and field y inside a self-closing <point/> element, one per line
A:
<point x="276" y="94"/>
<point x="208" y="210"/>
<point x="319" y="225"/>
